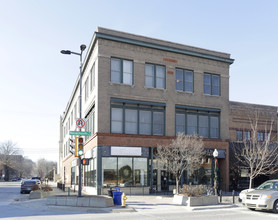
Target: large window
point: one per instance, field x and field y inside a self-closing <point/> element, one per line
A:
<point x="131" y="121"/>
<point x="109" y="171"/>
<point x="124" y="171"/>
<point x="137" y="119"/>
<point x="117" y="120"/>
<point x="203" y="123"/>
<point x="121" y="71"/>
<point x="90" y="173"/>
<point x="184" y="80"/>
<point x="211" y="84"/>
<point x="145" y="122"/>
<point x="73" y="176"/>
<point x="155" y="76"/>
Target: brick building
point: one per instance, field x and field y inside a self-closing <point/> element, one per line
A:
<point x="242" y="117"/>
<point x="138" y="93"/>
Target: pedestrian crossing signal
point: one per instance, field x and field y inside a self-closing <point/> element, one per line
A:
<point x="85" y="161"/>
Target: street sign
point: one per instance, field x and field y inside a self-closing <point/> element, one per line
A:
<point x="81" y="133"/>
<point x="80" y="122"/>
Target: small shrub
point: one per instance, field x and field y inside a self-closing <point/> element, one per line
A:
<point x="47" y="188"/>
<point x="193" y="190"/>
<point x="35" y="187"/>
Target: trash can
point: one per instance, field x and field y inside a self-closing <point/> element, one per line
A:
<point x="117" y="197"/>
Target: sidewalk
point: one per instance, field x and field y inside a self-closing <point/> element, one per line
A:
<point x="134" y="203"/>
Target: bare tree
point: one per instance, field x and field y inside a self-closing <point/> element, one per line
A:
<point x="24" y="167"/>
<point x="184" y="153"/>
<point x="44" y="167"/>
<point x="258" y="154"/>
<point x="9" y="154"/>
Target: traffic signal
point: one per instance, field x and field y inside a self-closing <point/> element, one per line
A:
<point x="80" y="146"/>
<point x="72" y="146"/>
<point x="85" y="161"/>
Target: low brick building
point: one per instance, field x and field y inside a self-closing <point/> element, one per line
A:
<point x="243" y="116"/>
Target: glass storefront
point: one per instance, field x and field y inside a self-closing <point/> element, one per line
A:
<point x="90" y="173"/>
<point x="73" y="175"/>
<point x="124" y="171"/>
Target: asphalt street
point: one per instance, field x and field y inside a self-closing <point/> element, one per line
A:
<point x="14" y="205"/>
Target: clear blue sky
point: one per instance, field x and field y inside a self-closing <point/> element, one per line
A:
<point x="37" y="81"/>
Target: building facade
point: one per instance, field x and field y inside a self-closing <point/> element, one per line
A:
<point x="139" y="93"/>
<point x="249" y="121"/>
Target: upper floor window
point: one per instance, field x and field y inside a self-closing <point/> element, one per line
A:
<point x="121" y="71"/>
<point x="239" y="136"/>
<point x="71" y="118"/>
<point x="184" y="80"/>
<point x="211" y="84"/>
<point x="75" y="111"/>
<point x="90" y="123"/>
<point x="93" y="77"/>
<point x="260" y="136"/>
<point x="205" y="124"/>
<point x="155" y="76"/>
<point x="137" y="119"/>
<point x="266" y="136"/>
<point x="87" y="88"/>
<point x="247" y="135"/>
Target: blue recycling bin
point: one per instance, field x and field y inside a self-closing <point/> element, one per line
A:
<point x="117" y="197"/>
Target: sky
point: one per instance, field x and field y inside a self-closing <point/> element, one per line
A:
<point x="36" y="80"/>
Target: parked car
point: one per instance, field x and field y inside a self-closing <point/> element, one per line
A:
<point x="264" y="197"/>
<point x="242" y="194"/>
<point x="27" y="185"/>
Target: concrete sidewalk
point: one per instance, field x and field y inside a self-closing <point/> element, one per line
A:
<point x="134" y="203"/>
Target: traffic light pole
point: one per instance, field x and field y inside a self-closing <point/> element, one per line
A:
<point x="82" y="48"/>
<point x="80" y="115"/>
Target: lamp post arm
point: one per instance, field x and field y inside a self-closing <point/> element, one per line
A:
<point x="79" y="54"/>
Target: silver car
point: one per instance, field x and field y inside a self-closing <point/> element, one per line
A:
<point x="264" y="197"/>
<point x="27" y="185"/>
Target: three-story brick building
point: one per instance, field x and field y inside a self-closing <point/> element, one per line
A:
<point x="140" y="92"/>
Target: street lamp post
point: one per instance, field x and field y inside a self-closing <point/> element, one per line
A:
<point x="215" y="155"/>
<point x="68" y="52"/>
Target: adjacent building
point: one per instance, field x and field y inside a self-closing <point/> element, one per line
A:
<point x="140" y="92"/>
<point x="249" y="122"/>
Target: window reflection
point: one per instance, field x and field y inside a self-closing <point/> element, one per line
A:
<point x="124" y="171"/>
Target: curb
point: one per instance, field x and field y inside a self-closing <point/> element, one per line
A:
<point x="121" y="210"/>
<point x="220" y="206"/>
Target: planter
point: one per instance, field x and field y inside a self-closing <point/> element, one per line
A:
<point x="93" y="201"/>
<point x="195" y="201"/>
<point x="39" y="194"/>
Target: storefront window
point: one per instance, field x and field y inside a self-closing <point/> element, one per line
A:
<point x="140" y="171"/>
<point x="90" y="174"/>
<point x="125" y="171"/>
<point x="73" y="176"/>
<point x="109" y="171"/>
